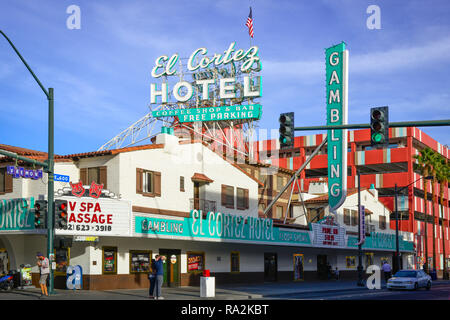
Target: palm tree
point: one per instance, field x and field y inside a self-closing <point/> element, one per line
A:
<point x="423" y="165"/>
<point x="434" y="163"/>
<point x="443" y="174"/>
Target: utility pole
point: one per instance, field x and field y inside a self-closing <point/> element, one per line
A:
<point x="397" y="247"/>
<point x="360" y="267"/>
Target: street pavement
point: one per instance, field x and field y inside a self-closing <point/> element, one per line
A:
<point x="329" y="290"/>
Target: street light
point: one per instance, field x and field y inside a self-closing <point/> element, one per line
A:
<point x="49" y="166"/>
<point x="396" y="192"/>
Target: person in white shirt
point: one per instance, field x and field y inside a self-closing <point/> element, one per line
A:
<point x="44" y="269"/>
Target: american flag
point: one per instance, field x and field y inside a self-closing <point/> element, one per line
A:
<point x="249" y="23"/>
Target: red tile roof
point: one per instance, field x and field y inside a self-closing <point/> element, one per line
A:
<point x="113" y="151"/>
<point x="200" y="177"/>
<point x="22" y="151"/>
<point x="28" y="153"/>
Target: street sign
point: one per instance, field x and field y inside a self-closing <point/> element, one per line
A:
<point x="61" y="178"/>
<point x="337" y="92"/>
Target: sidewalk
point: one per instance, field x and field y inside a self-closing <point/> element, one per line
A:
<point x="223" y="292"/>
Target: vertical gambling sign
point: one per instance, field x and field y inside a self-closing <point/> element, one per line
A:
<point x="337" y="92"/>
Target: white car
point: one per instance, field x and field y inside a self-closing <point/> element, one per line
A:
<point x="409" y="279"/>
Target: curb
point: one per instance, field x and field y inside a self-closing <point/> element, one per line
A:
<point x="340" y="290"/>
<point x="318" y="291"/>
<point x="242" y="295"/>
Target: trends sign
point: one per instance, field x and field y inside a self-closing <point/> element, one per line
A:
<point x="337" y="92"/>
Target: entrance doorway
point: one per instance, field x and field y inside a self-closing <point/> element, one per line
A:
<point x="196" y="196"/>
<point x="270" y="266"/>
<point x="322" y="266"/>
<point x="171" y="267"/>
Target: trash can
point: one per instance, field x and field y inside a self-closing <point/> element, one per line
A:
<point x="207" y="285"/>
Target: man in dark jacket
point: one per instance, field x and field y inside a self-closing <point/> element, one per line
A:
<point x="152" y="278"/>
<point x="159" y="266"/>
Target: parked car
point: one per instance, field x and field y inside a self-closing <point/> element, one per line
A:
<point x="409" y="279"/>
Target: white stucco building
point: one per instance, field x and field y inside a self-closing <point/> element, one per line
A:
<point x="178" y="199"/>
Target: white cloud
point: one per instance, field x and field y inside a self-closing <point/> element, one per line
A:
<point x="395" y="59"/>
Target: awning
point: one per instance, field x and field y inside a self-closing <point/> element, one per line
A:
<point x="200" y="177"/>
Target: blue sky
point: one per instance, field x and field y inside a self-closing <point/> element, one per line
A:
<point x="102" y="73"/>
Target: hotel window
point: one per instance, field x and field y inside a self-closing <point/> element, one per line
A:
<point x="228" y="196"/>
<point x="278" y="212"/>
<point x="242" y="198"/>
<point x="195" y="261"/>
<point x="2" y="180"/>
<point x="6" y="182"/>
<point x="354" y="218"/>
<point x="94" y="174"/>
<point x="235" y="261"/>
<point x="140" y="261"/>
<point x="148" y="183"/>
<point x="109" y="260"/>
<point x="347" y="217"/>
<point x="279" y="183"/>
<point x="182" y="184"/>
<point x="382" y="221"/>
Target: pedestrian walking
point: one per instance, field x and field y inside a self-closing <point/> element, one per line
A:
<point x="44" y="269"/>
<point x="152" y="278"/>
<point x="159" y="265"/>
<point x="387" y="270"/>
<point x="336" y="274"/>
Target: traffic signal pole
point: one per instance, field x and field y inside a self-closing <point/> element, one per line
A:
<point x="48" y="166"/>
<point x="427" y="123"/>
<point x="50" y="188"/>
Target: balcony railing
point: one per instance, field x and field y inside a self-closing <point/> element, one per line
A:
<point x="202" y="204"/>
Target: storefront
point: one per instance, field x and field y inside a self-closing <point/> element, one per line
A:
<point x="114" y="246"/>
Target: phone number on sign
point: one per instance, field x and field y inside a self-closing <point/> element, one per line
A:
<point x="85" y="227"/>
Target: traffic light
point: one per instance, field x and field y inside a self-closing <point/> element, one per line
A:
<point x="286" y="130"/>
<point x="60" y="216"/>
<point x="379" y="126"/>
<point x="40" y="214"/>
